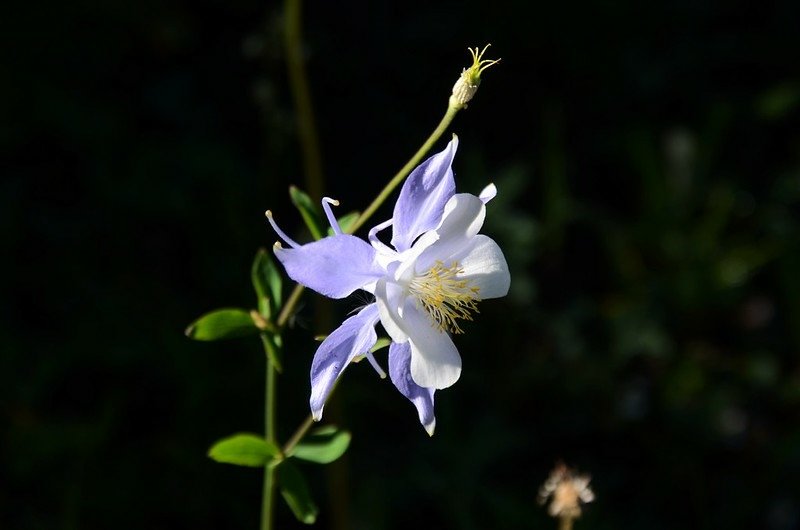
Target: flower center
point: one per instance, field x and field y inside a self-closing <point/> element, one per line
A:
<point x="444" y="296"/>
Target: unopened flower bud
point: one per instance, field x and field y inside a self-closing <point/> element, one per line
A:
<point x="470" y="78"/>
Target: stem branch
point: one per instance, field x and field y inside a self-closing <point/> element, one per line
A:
<point x="298" y="435"/>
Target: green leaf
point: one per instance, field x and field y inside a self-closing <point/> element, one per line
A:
<point x="222" y="324"/>
<point x="345" y="222"/>
<point x="244" y="449"/>
<point x="310" y="211"/>
<point x="267" y="283"/>
<point x="296" y="493"/>
<point x="323" y="446"/>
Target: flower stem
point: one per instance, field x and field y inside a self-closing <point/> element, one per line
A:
<point x="406" y="169"/>
<point x="565" y="523"/>
<point x="315" y="175"/>
<point x="298" y="81"/>
<point x="268" y="493"/>
<point x="313" y="170"/>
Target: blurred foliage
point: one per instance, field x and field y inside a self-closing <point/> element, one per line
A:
<point x="647" y="163"/>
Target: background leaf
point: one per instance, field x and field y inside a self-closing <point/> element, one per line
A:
<point x="243" y="449"/>
<point x="222" y="324"/>
<point x="295" y="492"/>
<point x="267" y="282"/>
<point x="309" y="210"/>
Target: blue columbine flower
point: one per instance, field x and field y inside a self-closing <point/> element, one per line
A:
<point x="436" y="270"/>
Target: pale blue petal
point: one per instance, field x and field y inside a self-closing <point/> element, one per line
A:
<point x="354" y="337"/>
<point x="400" y="372"/>
<point x="423" y="196"/>
<point x="334" y="266"/>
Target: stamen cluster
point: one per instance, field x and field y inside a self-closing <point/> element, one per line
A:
<point x="444" y="296"/>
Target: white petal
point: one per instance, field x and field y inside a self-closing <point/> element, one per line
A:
<point x="463" y="218"/>
<point x="389" y="296"/>
<point x="463" y="215"/>
<point x="484" y="267"/>
<point x="488" y="193"/>
<point x="408" y="259"/>
<point x="435" y="362"/>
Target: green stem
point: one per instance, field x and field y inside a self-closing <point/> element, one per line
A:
<point x="268" y="492"/>
<point x="312" y="160"/>
<point x="270" y="402"/>
<point x="406" y="169"/>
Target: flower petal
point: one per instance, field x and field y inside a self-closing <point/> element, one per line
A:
<point x="435" y="362"/>
<point x="484" y="267"/>
<point x="423" y="197"/>
<point x="389" y="297"/>
<point x="354" y="337"/>
<point x="488" y="193"/>
<point x="463" y="218"/>
<point x="334" y="266"/>
<point x="400" y="372"/>
<point x="407" y="260"/>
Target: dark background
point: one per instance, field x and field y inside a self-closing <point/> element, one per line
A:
<point x="649" y="177"/>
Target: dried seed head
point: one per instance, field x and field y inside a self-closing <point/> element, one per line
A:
<point x="467" y="84"/>
<point x="566" y="491"/>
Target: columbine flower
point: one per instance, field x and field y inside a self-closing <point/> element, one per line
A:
<point x="436" y="270"/>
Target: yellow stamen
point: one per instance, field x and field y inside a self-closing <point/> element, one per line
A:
<point x="444" y="296"/>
